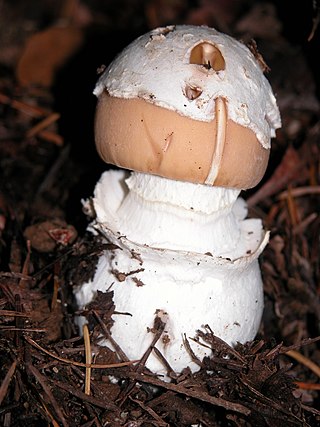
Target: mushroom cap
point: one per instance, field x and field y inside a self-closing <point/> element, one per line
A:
<point x="187" y="103"/>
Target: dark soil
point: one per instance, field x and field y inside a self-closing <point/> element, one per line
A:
<point x="48" y="163"/>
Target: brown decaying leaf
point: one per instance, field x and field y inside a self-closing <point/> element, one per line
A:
<point x="44" y="54"/>
<point x="45" y="236"/>
<point x="291" y="168"/>
<point x="250" y="385"/>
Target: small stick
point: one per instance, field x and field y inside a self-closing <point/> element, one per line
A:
<point x="42" y="381"/>
<point x="159" y="326"/>
<point x="106" y="403"/>
<point x="307" y="386"/>
<point x="53" y="421"/>
<point x="163" y="359"/>
<point x="28" y="109"/>
<point x="310" y="409"/>
<point x="47" y="121"/>
<point x="13" y="313"/>
<point x="72" y="362"/>
<point x="160" y="422"/>
<point x="189" y="392"/>
<point x="14" y="275"/>
<point x="18" y="321"/>
<point x="88" y="357"/>
<point x="106" y="332"/>
<point x="26" y="264"/>
<point x="36" y="112"/>
<point x="300" y="191"/>
<point x="187" y="345"/>
<point x="6" y="381"/>
<point x="21" y="329"/>
<point x="305" y="223"/>
<point x="292" y="208"/>
<point x="56" y="286"/>
<point x="304" y="361"/>
<point x="144" y="358"/>
<point x="51" y="137"/>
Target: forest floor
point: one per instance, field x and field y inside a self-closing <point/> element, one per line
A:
<point x="49" y="56"/>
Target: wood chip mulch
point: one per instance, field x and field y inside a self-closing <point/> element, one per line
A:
<point x="52" y="374"/>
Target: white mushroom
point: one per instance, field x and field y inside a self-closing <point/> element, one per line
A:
<point x="189" y="110"/>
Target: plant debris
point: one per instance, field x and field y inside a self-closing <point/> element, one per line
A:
<point x="53" y="370"/>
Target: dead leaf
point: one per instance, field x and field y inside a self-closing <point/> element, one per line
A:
<point x="288" y="170"/>
<point x="45" y="53"/>
<point x="44" y="236"/>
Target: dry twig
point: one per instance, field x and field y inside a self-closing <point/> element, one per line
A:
<point x="73" y="362"/>
<point x="5" y="383"/>
<point x="88" y="357"/>
<point x="305" y="361"/>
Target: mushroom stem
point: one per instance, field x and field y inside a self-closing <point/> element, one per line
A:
<point x="167" y="268"/>
<point x="168" y="214"/>
<point x="221" y="120"/>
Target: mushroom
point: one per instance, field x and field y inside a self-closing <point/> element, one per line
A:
<point x="187" y="114"/>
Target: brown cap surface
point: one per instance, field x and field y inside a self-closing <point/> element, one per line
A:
<point x="137" y="135"/>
